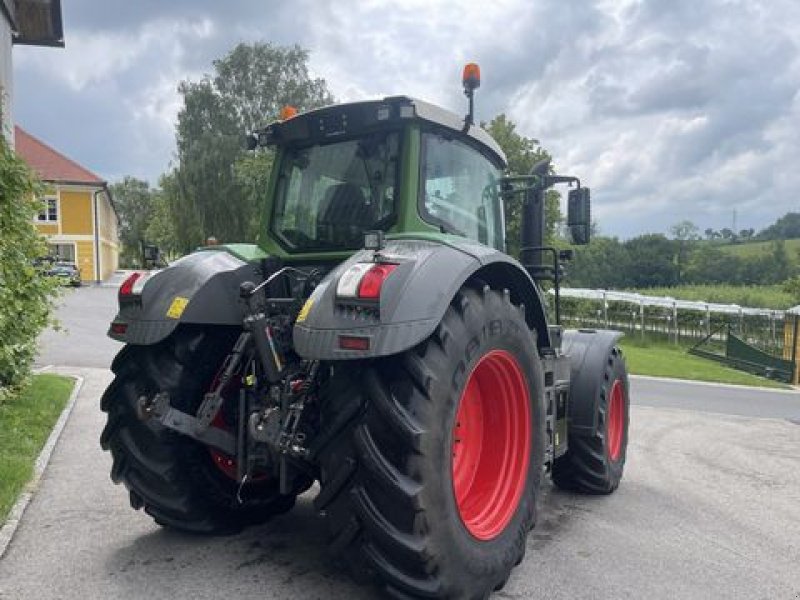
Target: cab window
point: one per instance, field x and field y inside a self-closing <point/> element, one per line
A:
<point x="460" y="191"/>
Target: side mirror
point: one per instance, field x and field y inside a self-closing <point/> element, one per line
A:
<point x="250" y="141"/>
<point x="579" y="215"/>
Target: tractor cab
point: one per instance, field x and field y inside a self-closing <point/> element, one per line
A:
<point x="398" y="165"/>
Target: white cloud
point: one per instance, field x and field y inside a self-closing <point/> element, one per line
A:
<point x="95" y="58"/>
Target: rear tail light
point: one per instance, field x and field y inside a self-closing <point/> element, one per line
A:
<point x="119" y="328"/>
<point x="364" y="280"/>
<point x="371" y="283"/>
<point x="126" y="289"/>
<point x="134" y="284"/>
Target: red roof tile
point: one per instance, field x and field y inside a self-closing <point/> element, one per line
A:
<point x="50" y="164"/>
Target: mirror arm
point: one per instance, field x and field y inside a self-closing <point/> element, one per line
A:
<point x="551" y="180"/>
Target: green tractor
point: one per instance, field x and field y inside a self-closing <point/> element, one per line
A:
<point x="377" y="341"/>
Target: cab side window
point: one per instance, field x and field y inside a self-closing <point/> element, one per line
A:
<point x="460" y="190"/>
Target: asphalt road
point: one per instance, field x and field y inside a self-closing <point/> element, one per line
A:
<point x="709" y="508"/>
<point x="80" y="341"/>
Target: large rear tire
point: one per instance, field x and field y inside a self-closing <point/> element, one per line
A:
<point x="171" y="476"/>
<point x="432" y="485"/>
<point x="594" y="463"/>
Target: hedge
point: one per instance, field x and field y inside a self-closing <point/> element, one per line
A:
<point x="26" y="293"/>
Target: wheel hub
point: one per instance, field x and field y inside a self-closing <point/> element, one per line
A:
<point x="615" y="420"/>
<point x="491" y="444"/>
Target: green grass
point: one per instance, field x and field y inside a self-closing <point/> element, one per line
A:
<point x="754" y="249"/>
<point x="755" y="296"/>
<point x="25" y="423"/>
<point x="662" y="360"/>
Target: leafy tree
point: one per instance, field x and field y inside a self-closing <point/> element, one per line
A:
<point x="216" y="188"/>
<point x="684" y="232"/>
<point x="26" y="294"/>
<point x="726" y="233"/>
<point x="652" y="261"/>
<point x="779" y="265"/>
<point x="785" y="228"/>
<point x="792" y="286"/>
<point x="709" y="264"/>
<point x="133" y="200"/>
<point x="176" y="226"/>
<point x="604" y="263"/>
<point x="522" y="153"/>
<point x="161" y="230"/>
<point x="710" y="233"/>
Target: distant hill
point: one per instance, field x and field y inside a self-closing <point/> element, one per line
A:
<point x="755" y="249"/>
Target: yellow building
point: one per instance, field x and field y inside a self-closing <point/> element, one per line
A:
<point x="78" y="217"/>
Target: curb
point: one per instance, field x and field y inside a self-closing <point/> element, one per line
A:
<point x="8" y="530"/>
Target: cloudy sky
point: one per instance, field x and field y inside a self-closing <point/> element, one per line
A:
<point x="668" y="110"/>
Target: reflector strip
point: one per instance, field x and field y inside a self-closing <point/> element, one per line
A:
<point x="139" y="285"/>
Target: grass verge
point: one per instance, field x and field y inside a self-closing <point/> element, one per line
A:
<point x="25" y="423"/>
<point x="662" y="360"/>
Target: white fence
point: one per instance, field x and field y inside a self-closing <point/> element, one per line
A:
<point x="676" y="319"/>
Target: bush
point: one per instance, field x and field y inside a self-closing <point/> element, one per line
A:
<point x="26" y="294"/>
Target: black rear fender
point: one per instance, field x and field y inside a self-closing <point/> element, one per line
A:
<point x="200" y="288"/>
<point x="413" y="299"/>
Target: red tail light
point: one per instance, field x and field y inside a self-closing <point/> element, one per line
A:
<point x="126" y="289"/>
<point x="371" y="283"/>
<point x="119" y="328"/>
<point x="353" y="342"/>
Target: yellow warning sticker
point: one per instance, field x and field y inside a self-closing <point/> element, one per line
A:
<point x="301" y="316"/>
<point x="177" y="307"/>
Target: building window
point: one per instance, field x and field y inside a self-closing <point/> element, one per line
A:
<point x="63" y="252"/>
<point x="49" y="212"/>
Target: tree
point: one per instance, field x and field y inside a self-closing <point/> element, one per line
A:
<point x="602" y="264"/>
<point x="133" y="200"/>
<point x="684" y="232"/>
<point x="779" y="266"/>
<point x="709" y="264"/>
<point x="522" y="153"/>
<point x="217" y="188"/>
<point x="161" y="230"/>
<point x="652" y="261"/>
<point x="785" y="228"/>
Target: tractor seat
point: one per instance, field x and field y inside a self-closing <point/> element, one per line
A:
<point x="344" y="215"/>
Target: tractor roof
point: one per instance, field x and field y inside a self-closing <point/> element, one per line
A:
<point x="338" y="119"/>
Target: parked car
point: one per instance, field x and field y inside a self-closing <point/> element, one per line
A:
<point x="67" y="273"/>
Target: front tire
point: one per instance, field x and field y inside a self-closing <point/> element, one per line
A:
<point x="594" y="463"/>
<point x="171" y="476"/>
<point x="432" y="486"/>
